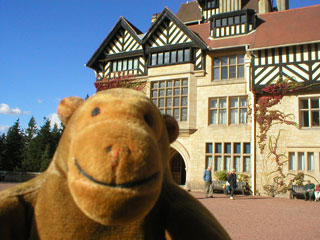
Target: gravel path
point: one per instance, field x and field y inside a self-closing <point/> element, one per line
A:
<point x="253" y="217"/>
<point x="260" y="218"/>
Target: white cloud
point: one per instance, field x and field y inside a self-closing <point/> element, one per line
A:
<point x="4" y="129"/>
<point x="5" y="109"/>
<point x="54" y="119"/>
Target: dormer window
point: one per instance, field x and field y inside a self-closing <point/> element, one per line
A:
<point x="232" y="23"/>
<point x="211" y="4"/>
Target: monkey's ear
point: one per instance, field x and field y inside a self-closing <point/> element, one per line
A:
<point x="67" y="107"/>
<point x="172" y="127"/>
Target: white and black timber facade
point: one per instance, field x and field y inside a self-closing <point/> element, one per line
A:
<point x="206" y="66"/>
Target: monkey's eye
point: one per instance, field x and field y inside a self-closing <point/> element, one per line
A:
<point x="95" y="112"/>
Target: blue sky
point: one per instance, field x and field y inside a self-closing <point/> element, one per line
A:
<point x="45" y="44"/>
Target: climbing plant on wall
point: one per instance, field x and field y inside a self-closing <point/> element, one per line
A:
<point x="120" y="81"/>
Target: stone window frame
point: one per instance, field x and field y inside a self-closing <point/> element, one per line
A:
<point x="171" y="97"/>
<point x="213" y="152"/>
<point x="227" y="65"/>
<point x="306" y="118"/>
<point x="302" y="161"/>
<point x="228" y="109"/>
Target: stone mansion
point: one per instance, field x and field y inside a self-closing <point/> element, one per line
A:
<point x="241" y="77"/>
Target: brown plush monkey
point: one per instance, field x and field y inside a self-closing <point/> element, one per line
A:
<point x="109" y="179"/>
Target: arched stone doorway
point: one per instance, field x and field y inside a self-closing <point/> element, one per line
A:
<point x="178" y="168"/>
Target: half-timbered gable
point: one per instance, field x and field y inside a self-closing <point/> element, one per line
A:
<point x="301" y="63"/>
<point x="169" y="41"/>
<point x="121" y="53"/>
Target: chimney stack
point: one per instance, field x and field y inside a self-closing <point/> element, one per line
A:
<point x="264" y="6"/>
<point x="154" y="17"/>
<point x="282" y="5"/>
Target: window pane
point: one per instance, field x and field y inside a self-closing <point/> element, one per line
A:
<point x="154" y="59"/>
<point x="224" y="22"/>
<point x="292" y="161"/>
<point x="214" y="103"/>
<point x="161" y="102"/>
<point x="176" y="102"/>
<point x="218" y="22"/>
<point x="176" y="114"/>
<point x="223" y="103"/>
<point x="169" y="112"/>
<point x="169" y="92"/>
<point x="180" y="55"/>
<point x="216" y="62"/>
<point x="224" y="61"/>
<point x="184" y="114"/>
<point x="125" y="65"/>
<point x="119" y="66"/>
<point x="184" y="91"/>
<point x="130" y="64"/>
<point x="166" y="57"/>
<point x="218" y="148"/>
<point x="315" y="118"/>
<point x="161" y="92"/>
<point x="304" y="119"/>
<point x="227" y="163"/>
<point x="233" y="72"/>
<point x="243" y="115"/>
<point x="227" y="148"/>
<point x="237" y="147"/>
<point x="184" y="82"/>
<point x="304" y="104"/>
<point x="187" y="55"/>
<point x="154" y="93"/>
<point x="240" y="71"/>
<point x="184" y="101"/>
<point x="237" y="163"/>
<point x="155" y="102"/>
<point x="218" y="163"/>
<point x="234" y="116"/>
<point x="224" y="73"/>
<point x="240" y="59"/>
<point x="114" y="66"/>
<point x="173" y="57"/>
<point x="208" y="161"/>
<point x="223" y="116"/>
<point x="237" y="20"/>
<point x="135" y="64"/>
<point x="177" y="83"/>
<point x="216" y="73"/>
<point x="169" y="102"/>
<point x="243" y="102"/>
<point x="209" y="148"/>
<point x="246" y="148"/>
<point x="243" y="19"/>
<point x="247" y="164"/>
<point x="310" y="161"/>
<point x="301" y="161"/>
<point x="230" y="20"/>
<point x="234" y="102"/>
<point x="177" y="91"/>
<point x="315" y="103"/>
<point x="169" y="83"/>
<point x="233" y="60"/>
<point x="162" y="84"/>
<point x="160" y="58"/>
<point x="213" y="117"/>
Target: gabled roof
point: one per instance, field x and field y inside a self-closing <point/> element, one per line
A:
<point x="167" y="14"/>
<point x="276" y="29"/>
<point x="122" y="23"/>
<point x="189" y="12"/>
<point x="290" y="27"/>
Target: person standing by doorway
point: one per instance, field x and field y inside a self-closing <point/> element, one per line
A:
<point x="207" y="182"/>
<point x="232" y="180"/>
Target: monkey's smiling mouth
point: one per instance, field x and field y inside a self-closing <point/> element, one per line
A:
<point x="123" y="185"/>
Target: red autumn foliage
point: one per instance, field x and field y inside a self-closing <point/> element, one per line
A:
<point x="125" y="81"/>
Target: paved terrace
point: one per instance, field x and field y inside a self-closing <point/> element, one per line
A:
<point x="261" y="218"/>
